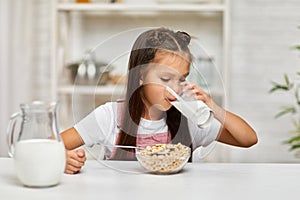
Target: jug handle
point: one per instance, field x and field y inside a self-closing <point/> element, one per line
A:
<point x="10" y="132"/>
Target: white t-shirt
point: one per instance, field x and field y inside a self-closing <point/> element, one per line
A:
<point x="101" y="127"/>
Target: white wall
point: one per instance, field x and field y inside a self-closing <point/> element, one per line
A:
<point x="4" y="80"/>
<point x="263" y="32"/>
<point x="25" y="52"/>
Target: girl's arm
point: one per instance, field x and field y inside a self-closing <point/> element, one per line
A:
<point x="71" y="139"/>
<point x="235" y="131"/>
<point x="75" y="159"/>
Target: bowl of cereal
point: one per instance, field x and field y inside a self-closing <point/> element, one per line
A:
<point x="163" y="158"/>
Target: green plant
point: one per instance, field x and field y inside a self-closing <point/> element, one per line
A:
<point x="292" y="87"/>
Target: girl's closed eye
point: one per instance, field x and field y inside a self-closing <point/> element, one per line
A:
<point x="165" y="79"/>
<point x="182" y="79"/>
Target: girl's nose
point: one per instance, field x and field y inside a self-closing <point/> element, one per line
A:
<point x="177" y="88"/>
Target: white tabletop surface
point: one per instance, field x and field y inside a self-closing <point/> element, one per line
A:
<point x="201" y="181"/>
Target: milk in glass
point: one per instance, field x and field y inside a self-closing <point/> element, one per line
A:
<point x="195" y="110"/>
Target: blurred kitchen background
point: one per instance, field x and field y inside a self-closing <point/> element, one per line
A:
<point x="250" y="43"/>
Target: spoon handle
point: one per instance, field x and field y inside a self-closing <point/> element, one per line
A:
<point x="119" y="146"/>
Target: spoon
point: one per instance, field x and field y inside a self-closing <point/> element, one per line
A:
<point x="133" y="147"/>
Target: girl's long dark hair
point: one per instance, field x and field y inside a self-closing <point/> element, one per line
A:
<point x="143" y="53"/>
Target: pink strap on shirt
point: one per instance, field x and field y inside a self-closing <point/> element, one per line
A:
<point x="142" y="140"/>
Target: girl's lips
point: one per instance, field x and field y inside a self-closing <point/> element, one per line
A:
<point x="170" y="96"/>
<point x="171" y="99"/>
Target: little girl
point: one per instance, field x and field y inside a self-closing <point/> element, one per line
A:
<point x="159" y="58"/>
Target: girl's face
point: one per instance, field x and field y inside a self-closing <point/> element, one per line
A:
<point x="167" y="69"/>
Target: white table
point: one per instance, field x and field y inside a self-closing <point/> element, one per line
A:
<point x="201" y="181"/>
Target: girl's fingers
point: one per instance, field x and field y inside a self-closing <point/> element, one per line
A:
<point x="71" y="169"/>
<point x="192" y="90"/>
<point x="75" y="161"/>
<point x="80" y="152"/>
<point x="77" y="155"/>
<point x="186" y="86"/>
<point x="73" y="166"/>
<point x="80" y="155"/>
<point x="191" y="86"/>
<point x="203" y="97"/>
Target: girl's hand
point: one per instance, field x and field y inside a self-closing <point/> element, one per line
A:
<point x="235" y="131"/>
<point x="75" y="160"/>
<point x="192" y="90"/>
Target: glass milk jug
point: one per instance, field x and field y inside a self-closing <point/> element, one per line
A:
<point x="35" y="144"/>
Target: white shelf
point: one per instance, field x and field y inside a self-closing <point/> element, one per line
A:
<point x="141" y="8"/>
<point x="92" y="90"/>
<point x="111" y="90"/>
<point x="62" y="31"/>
